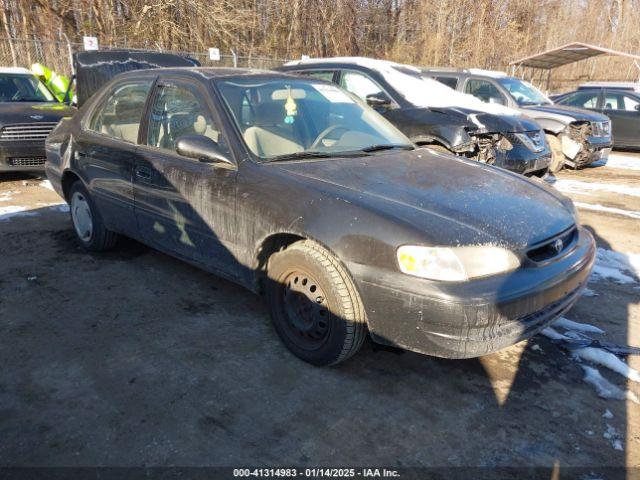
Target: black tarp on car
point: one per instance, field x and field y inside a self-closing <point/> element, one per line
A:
<point x="95" y="68"/>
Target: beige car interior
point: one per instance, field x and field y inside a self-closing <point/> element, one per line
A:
<point x="270" y="136"/>
<point x="180" y="124"/>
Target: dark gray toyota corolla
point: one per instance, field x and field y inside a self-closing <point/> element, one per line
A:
<point x="295" y="189"/>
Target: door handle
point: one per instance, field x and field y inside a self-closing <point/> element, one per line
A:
<point x="143" y="172"/>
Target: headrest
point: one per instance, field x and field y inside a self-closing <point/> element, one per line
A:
<point x="269" y="114"/>
<point x="200" y="125"/>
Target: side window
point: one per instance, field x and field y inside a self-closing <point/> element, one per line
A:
<point x="119" y="115"/>
<point x="179" y="110"/>
<point x="359" y="84"/>
<point x="582" y="100"/>
<point x="484" y="90"/>
<point x="630" y="103"/>
<point x="320" y="74"/>
<point x="619" y="101"/>
<point x="450" y="82"/>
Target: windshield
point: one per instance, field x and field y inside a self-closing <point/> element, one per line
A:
<point x="281" y="117"/>
<point x="523" y="92"/>
<point x="23" y="88"/>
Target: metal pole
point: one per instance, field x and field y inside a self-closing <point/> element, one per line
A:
<point x="235" y="58"/>
<point x="70" y="52"/>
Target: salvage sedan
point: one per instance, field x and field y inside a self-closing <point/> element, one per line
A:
<point x="297" y="190"/>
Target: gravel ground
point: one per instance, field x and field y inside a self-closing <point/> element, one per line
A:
<point x="134" y="358"/>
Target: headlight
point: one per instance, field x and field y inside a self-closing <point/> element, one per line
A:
<point x="534" y="141"/>
<point x="455" y="264"/>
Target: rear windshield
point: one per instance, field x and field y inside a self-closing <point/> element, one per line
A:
<point x="23" y="88"/>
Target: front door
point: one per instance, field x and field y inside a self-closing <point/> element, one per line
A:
<point x="184" y="206"/>
<point x="621" y="108"/>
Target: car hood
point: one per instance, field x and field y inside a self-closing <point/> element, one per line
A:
<point x="429" y="191"/>
<point x="33" y="112"/>
<point x="474" y="120"/>
<point x="572" y="113"/>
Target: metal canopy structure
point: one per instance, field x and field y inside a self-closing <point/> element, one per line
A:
<point x="569" y="53"/>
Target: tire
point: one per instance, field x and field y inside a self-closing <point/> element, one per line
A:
<point x="314" y="305"/>
<point x="87" y="221"/>
<point x="557" y="156"/>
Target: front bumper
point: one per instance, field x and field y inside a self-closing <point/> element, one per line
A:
<point x="470" y="319"/>
<point x="523" y="161"/>
<point x="27" y="156"/>
<point x="593" y="149"/>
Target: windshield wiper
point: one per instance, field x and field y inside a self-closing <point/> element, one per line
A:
<point x="390" y="146"/>
<point x="298" y="156"/>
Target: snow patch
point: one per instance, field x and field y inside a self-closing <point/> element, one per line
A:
<point x="612" y="265"/>
<point x="614" y="437"/>
<point x="580" y="327"/>
<point x="7" y="213"/>
<point x="587" y="292"/>
<point x="551" y="333"/>
<point x="596" y="207"/>
<point x="607" y="414"/>
<point x="586" y="188"/>
<point x="616" y="160"/>
<point x="608" y="360"/>
<point x="604" y="388"/>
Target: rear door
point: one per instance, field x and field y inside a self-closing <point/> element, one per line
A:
<point x="184" y="206"/>
<point x="622" y="109"/>
<point x="105" y="151"/>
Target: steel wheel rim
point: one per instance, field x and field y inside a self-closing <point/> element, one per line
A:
<point x="81" y="216"/>
<point x="305" y="309"/>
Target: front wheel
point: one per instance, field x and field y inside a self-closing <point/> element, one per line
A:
<point x="87" y="221"/>
<point x="314" y="305"/>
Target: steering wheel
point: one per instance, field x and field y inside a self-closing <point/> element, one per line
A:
<point x="325" y="133"/>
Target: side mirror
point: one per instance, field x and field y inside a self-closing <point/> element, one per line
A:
<point x="378" y="101"/>
<point x="201" y="148"/>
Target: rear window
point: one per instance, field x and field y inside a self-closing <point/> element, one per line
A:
<point x="119" y="115"/>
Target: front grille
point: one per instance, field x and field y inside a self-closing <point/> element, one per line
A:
<point x="600" y="129"/>
<point x="26" y="161"/>
<point x="26" y="131"/>
<point x="553" y="247"/>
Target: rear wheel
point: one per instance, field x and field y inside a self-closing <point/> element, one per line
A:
<point x="314" y="305"/>
<point x="557" y="156"/>
<point x="87" y="221"/>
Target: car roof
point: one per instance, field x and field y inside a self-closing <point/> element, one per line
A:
<point x="15" y="70"/>
<point x="460" y="72"/>
<point x="613" y="85"/>
<point x="204" y="72"/>
<point x="339" y="62"/>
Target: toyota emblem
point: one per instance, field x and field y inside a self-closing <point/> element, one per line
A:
<point x="37" y="117"/>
